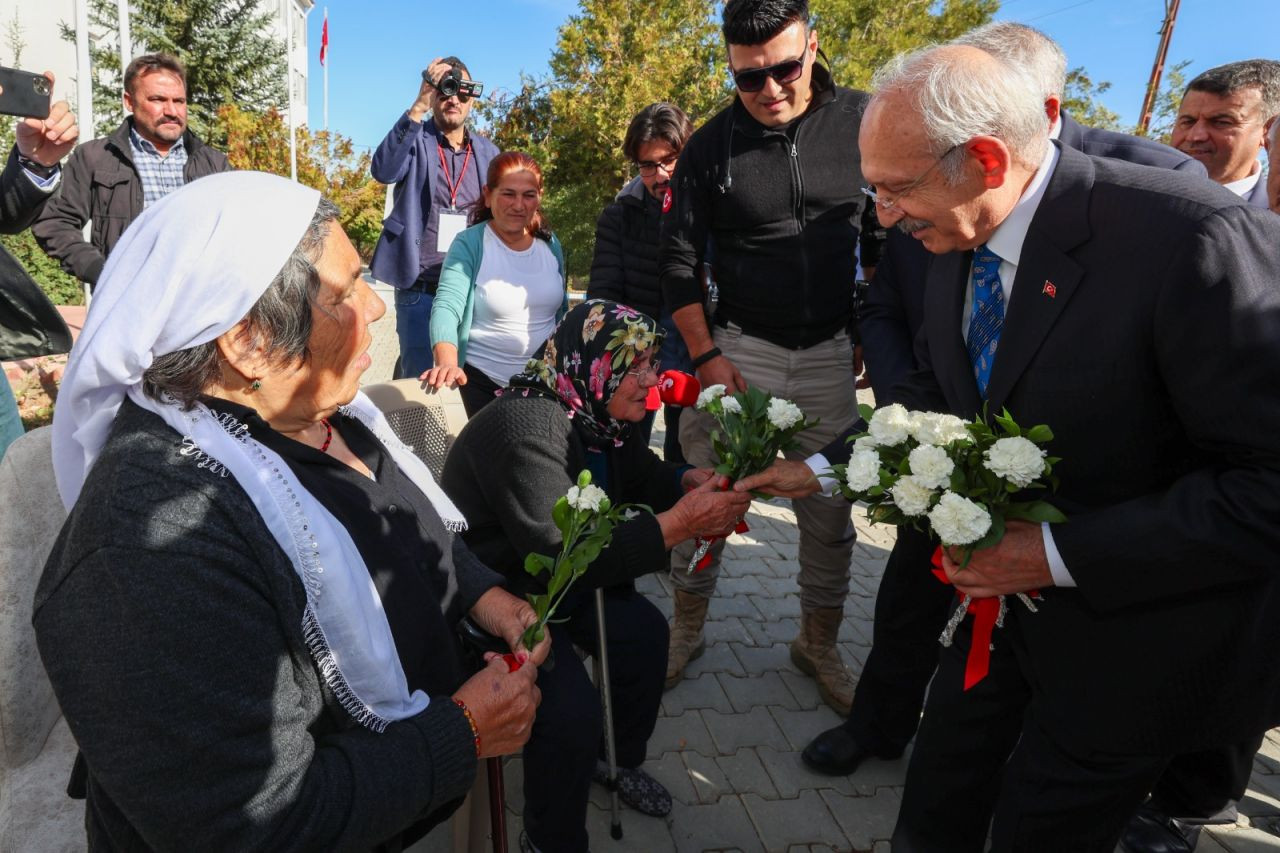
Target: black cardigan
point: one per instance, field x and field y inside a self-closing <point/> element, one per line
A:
<point x="513" y="461"/>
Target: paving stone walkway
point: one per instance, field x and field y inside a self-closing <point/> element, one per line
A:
<point x="728" y="740"/>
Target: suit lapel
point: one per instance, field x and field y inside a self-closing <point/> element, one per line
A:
<point x="944" y="303"/>
<point x="1047" y="276"/>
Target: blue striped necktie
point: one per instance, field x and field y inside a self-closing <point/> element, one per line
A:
<point x="987" y="318"/>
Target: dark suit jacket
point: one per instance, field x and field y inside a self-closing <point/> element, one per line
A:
<point x="894" y="307"/>
<point x="29" y="324"/>
<point x="1156" y="362"/>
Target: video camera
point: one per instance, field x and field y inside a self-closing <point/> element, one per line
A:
<point x="452" y="83"/>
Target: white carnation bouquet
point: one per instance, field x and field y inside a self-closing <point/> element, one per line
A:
<point x="958" y="478"/>
<point x="752" y="428"/>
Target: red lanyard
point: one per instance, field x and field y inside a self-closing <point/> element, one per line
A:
<point x="453" y="186"/>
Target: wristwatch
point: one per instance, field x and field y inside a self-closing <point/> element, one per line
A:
<point x="38" y="169"/>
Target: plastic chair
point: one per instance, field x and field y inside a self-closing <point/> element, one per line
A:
<point x="36" y="747"/>
<point x="426" y="421"/>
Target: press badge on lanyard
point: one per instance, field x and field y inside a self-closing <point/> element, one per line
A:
<point x="452" y="221"/>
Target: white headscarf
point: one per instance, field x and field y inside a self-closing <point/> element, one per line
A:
<point x="186" y="271"/>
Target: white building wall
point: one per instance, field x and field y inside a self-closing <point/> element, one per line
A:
<point x="44" y="49"/>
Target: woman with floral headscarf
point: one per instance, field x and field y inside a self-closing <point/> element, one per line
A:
<point x="574" y="408"/>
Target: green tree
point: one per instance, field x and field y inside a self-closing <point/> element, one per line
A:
<point x="326" y="161"/>
<point x="1167" y="102"/>
<point x="859" y="36"/>
<point x="612" y="58"/>
<point x="1080" y="100"/>
<point x="227" y="47"/>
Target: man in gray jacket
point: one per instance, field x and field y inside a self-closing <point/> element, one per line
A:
<point x="111" y="180"/>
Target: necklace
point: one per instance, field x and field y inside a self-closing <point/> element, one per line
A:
<point x="328" y="435"/>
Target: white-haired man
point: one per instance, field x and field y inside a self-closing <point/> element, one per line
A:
<point x="1129" y="308"/>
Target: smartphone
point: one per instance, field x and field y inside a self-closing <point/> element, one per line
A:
<point x="25" y="94"/>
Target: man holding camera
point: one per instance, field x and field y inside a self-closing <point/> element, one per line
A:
<point x="438" y="167"/>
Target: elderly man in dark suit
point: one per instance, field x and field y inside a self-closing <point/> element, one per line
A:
<point x="911" y="606"/>
<point x="29" y="325"/>
<point x="1136" y="313"/>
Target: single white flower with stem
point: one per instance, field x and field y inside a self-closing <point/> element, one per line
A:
<point x="784" y="414"/>
<point x="1016" y="459"/>
<point x="730" y="405"/>
<point x="706" y="395"/>
<point x="890" y="425"/>
<point x="911" y="496"/>
<point x="958" y="520"/>
<point x="863" y="471"/>
<point x="930" y="466"/>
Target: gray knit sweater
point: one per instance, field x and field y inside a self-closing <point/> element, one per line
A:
<point x="170" y="624"/>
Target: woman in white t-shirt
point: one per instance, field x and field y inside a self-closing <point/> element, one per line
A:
<point x="502" y="287"/>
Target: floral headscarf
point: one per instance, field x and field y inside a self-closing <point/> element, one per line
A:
<point x="584" y="361"/>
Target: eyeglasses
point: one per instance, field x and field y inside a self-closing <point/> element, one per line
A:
<point x="649" y="168"/>
<point x="753" y="79"/>
<point x="889" y="204"/>
<point x="651" y="372"/>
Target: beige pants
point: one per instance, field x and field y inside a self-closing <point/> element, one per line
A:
<point x="820" y="381"/>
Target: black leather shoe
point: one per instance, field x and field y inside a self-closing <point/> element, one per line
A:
<point x="1152" y="831"/>
<point x="834" y="753"/>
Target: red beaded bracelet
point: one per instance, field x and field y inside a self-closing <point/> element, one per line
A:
<point x="471" y="721"/>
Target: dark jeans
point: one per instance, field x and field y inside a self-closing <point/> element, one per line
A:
<point x="413" y="328"/>
<point x="566" y="741"/>
<point x="478" y="392"/>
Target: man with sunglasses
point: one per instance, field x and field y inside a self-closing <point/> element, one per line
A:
<point x="438" y="167"/>
<point x="769" y="187"/>
<point x="624" y="267"/>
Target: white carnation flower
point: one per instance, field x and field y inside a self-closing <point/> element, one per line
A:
<point x="711" y="392"/>
<point x="890" y="425"/>
<point x="731" y="406"/>
<point x="863" y="471"/>
<point x="958" y="520"/>
<point x="588" y="498"/>
<point x="911" y="495"/>
<point x="784" y="414"/>
<point x="931" y="466"/>
<point x="1016" y="459"/>
<point x="937" y="428"/>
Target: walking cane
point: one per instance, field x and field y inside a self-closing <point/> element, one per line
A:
<point x="602" y="679"/>
<point x="478" y="641"/>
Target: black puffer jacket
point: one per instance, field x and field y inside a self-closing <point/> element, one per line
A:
<point x="625" y="265"/>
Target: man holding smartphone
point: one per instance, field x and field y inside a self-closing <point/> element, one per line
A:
<point x="438" y="167"/>
<point x="28" y="180"/>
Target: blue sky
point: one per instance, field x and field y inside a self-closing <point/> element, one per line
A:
<point x="378" y="49"/>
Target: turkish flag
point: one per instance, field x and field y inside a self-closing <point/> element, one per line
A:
<point x="324" y="38"/>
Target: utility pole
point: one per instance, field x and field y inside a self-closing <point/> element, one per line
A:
<point x="1157" y="70"/>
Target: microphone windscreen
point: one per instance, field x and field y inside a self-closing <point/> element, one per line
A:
<point x="677" y="388"/>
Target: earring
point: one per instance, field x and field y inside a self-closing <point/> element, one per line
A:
<point x="255" y="385"/>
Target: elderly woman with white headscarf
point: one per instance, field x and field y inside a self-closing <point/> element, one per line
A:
<point x="248" y="618"/>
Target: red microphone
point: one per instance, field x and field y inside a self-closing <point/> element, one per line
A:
<point x="674" y="388"/>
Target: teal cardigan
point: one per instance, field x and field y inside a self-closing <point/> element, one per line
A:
<point x="455" y="297"/>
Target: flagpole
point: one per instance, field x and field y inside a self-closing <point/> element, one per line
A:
<point x="126" y="35"/>
<point x="288" y="70"/>
<point x="325" y="65"/>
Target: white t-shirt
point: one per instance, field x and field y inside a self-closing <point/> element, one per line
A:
<point x="515" y="304"/>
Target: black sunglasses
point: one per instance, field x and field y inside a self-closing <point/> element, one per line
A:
<point x="753" y="79"/>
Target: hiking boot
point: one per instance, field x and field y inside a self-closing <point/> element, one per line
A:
<point x="814" y="652"/>
<point x="687" y="642"/>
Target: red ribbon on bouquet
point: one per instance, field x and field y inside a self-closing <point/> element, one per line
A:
<point x="985" y="612"/>
<point x="740" y="527"/>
